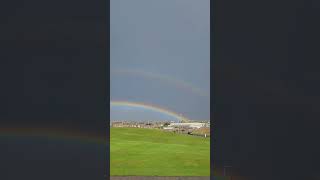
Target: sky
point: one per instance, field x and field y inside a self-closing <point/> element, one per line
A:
<point x="160" y="55"/>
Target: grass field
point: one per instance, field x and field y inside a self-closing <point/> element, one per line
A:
<point x="202" y="131"/>
<point x="152" y="152"/>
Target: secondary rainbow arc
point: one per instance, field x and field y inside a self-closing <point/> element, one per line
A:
<point x="178" y="83"/>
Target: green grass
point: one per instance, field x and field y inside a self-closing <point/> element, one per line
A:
<point x="152" y="152"/>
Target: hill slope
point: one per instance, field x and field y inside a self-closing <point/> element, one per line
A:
<point x="151" y="152"/>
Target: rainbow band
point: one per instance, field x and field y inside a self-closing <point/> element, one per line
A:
<point x="161" y="77"/>
<point x="56" y="133"/>
<point x="149" y="107"/>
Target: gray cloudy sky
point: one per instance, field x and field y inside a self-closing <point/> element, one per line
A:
<point x="160" y="54"/>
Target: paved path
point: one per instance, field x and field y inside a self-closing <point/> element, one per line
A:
<point x="158" y="178"/>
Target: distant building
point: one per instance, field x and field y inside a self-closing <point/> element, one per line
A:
<point x="137" y="124"/>
<point x="168" y="128"/>
<point x="188" y="125"/>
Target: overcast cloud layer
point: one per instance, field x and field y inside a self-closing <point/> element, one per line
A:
<point x="160" y="54"/>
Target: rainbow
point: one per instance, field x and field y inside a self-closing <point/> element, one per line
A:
<point x="149" y="107"/>
<point x="65" y="134"/>
<point x="178" y="83"/>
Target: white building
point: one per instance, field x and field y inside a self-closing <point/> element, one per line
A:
<point x="190" y="125"/>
